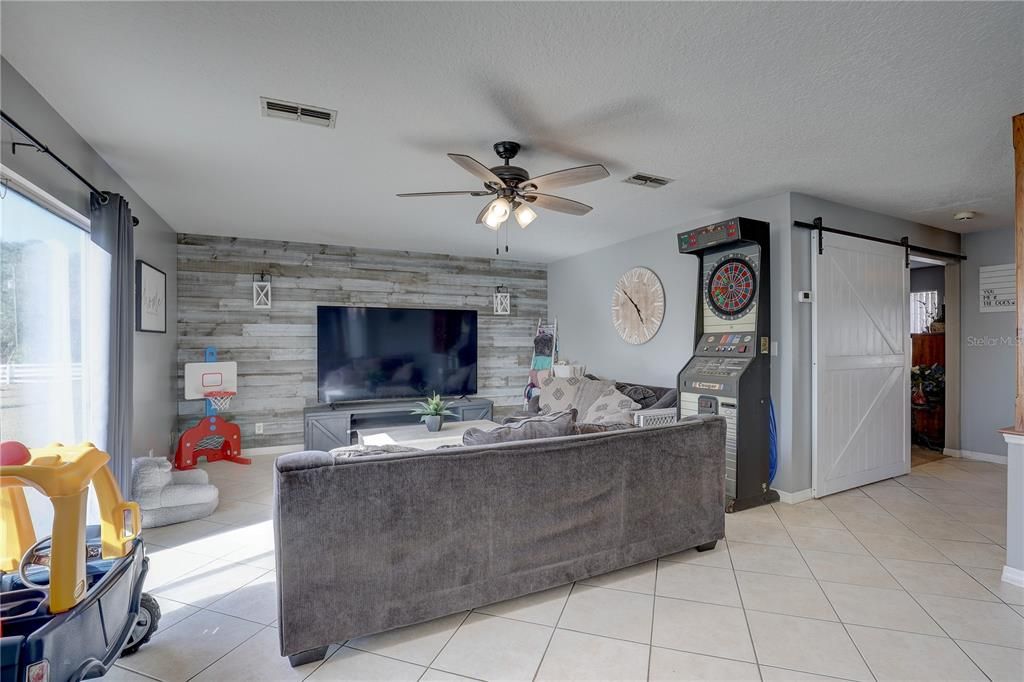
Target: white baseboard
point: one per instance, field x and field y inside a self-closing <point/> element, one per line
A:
<point x="272" y="450"/>
<point x="794" y="498"/>
<point x="980" y="456"/>
<point x="1014" y="576"/>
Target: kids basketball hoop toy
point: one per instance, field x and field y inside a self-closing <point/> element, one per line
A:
<point x="213" y="437"/>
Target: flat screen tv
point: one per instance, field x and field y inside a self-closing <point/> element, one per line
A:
<point x="388" y="353"/>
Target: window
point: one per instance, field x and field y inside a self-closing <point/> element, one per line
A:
<point x="54" y="316"/>
<point x="924" y="307"/>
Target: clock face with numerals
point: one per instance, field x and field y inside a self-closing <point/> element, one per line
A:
<point x="638" y="305"/>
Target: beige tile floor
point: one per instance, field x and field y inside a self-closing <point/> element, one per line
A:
<point x="895" y="581"/>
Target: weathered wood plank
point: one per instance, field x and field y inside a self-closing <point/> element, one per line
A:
<point x="276" y="349"/>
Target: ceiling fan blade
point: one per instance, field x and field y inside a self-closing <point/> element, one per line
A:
<point x="476" y="168"/>
<point x="560" y="204"/>
<point x="471" y="193"/>
<point x="566" y="178"/>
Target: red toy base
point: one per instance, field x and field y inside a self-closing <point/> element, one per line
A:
<point x="188" y="453"/>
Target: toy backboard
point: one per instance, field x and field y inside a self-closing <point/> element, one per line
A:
<point x="203" y="377"/>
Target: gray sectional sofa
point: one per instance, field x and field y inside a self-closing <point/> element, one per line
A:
<point x="367" y="544"/>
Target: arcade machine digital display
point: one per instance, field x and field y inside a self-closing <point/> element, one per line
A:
<point x="730" y="371"/>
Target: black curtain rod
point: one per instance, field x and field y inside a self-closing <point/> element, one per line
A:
<point x="904" y="242"/>
<point x="46" y="150"/>
<point x="64" y="164"/>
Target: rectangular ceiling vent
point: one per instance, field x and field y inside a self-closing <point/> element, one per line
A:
<point x="648" y="180"/>
<point x="293" y="111"/>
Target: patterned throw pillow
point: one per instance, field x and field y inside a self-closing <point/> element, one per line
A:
<point x="611" y="407"/>
<point x="558" y="393"/>
<point x="590" y="391"/>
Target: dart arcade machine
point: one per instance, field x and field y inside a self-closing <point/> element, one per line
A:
<point x="730" y="371"/>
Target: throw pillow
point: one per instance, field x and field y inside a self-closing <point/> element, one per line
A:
<point x="590" y="390"/>
<point x="544" y="426"/>
<point x="558" y="393"/>
<point x="367" y="450"/>
<point x="611" y="408"/>
<point x="642" y="395"/>
<point x="668" y="399"/>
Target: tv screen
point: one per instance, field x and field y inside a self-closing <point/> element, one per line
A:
<point x="382" y="353"/>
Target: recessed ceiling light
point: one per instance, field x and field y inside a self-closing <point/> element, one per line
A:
<point x="964" y="216"/>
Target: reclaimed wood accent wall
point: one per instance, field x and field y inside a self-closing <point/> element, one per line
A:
<point x="276" y="349"/>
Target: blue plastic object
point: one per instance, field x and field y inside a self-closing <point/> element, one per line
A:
<point x="773" y="442"/>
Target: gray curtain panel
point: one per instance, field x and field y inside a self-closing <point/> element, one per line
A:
<point x="112" y="231"/>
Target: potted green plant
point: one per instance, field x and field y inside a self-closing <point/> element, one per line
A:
<point x="432" y="412"/>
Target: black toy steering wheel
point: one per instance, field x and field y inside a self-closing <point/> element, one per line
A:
<point x="34" y="557"/>
<point x="38" y="556"/>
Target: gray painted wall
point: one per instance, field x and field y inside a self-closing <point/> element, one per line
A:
<point x="154" y="370"/>
<point x="580" y="290"/>
<point x="580" y="294"/>
<point x="929" y="279"/>
<point x="276" y="349"/>
<point x="987" y="350"/>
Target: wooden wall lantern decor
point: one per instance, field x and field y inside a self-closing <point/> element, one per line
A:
<point x="502" y="301"/>
<point x="261" y="291"/>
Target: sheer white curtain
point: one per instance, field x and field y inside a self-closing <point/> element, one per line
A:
<point x="54" y="327"/>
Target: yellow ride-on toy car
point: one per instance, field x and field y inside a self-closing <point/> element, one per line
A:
<point x="71" y="603"/>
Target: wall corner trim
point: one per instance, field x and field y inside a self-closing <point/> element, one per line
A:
<point x="1012" y="575"/>
<point x="979" y="456"/>
<point x="795" y="498"/>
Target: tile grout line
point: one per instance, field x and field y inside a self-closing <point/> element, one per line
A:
<point x="743" y="608"/>
<point x="213" y="663"/>
<point x="552" y="635"/>
<point x="654" y="607"/>
<point x="824" y="594"/>
<point x="450" y="637"/>
<point x="912" y="597"/>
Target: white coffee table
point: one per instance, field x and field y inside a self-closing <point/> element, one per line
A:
<point x="417" y="436"/>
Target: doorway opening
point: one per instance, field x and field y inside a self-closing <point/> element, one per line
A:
<point x="928" y="366"/>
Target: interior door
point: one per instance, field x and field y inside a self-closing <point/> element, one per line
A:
<point x="860" y="348"/>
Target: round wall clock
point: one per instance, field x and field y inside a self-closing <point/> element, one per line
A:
<point x="638" y="305"/>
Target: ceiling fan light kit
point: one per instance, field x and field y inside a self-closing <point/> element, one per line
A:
<point x="497" y="213"/>
<point x="516" y="192"/>
<point x="525" y="215"/>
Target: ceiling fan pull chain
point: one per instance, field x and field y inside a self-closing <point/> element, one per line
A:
<point x="506" y="239"/>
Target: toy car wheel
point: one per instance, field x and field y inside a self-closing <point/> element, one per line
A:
<point x="145" y="624"/>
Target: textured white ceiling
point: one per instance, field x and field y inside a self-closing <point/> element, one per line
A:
<point x="901" y="108"/>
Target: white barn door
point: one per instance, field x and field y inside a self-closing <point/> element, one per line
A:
<point x="860" y="350"/>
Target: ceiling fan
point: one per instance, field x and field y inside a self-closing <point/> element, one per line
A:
<point x="516" y="192"/>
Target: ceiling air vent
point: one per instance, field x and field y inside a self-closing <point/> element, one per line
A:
<point x="647" y="180"/>
<point x="293" y="111"/>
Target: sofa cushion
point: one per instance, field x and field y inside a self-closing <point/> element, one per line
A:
<point x="611" y="407"/>
<point x="558" y="393"/>
<point x="583" y="428"/>
<point x="149" y="474"/>
<point x="642" y="395"/>
<point x="367" y="450"/>
<point x="543" y="426"/>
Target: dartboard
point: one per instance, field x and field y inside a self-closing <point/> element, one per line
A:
<point x="730" y="287"/>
